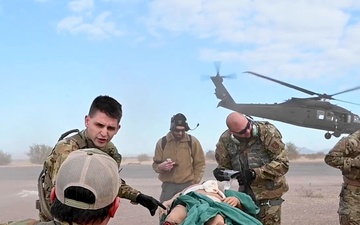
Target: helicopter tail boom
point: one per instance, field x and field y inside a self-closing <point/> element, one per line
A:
<point x="221" y="92"/>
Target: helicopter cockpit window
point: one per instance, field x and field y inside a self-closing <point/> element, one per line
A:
<point x="320" y="114"/>
<point x="356" y="119"/>
<point x="330" y="116"/>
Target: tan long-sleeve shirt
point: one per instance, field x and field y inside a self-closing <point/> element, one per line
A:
<point x="189" y="162"/>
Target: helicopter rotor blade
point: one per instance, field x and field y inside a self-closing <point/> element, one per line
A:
<point x="204" y="77"/>
<point x="353" y="103"/>
<point x="285" y="84"/>
<point x="217" y="65"/>
<point x="319" y="96"/>
<point x="230" y="76"/>
<point x="348" y="90"/>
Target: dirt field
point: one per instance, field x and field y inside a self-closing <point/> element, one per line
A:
<point x="312" y="198"/>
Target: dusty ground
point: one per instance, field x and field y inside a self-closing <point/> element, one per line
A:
<point x="312" y="198"/>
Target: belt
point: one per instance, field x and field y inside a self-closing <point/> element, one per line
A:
<point x="351" y="182"/>
<point x="271" y="202"/>
<point x="351" y="187"/>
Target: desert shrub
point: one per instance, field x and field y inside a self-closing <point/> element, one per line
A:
<point x="210" y="155"/>
<point x="143" y="157"/>
<point x="5" y="158"/>
<point x="318" y="155"/>
<point x="292" y="151"/>
<point x="309" y="192"/>
<point x="38" y="153"/>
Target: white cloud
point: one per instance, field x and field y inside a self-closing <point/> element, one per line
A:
<point x="309" y="38"/>
<point x="99" y="28"/>
<point x="70" y="22"/>
<point x="248" y="21"/>
<point x="84" y="21"/>
<point x="81" y="5"/>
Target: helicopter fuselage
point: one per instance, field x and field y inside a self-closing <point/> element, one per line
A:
<point x="303" y="113"/>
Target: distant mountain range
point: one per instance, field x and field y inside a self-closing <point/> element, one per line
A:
<point x="304" y="150"/>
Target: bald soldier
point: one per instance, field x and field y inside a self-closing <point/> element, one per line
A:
<point x="256" y="150"/>
<point x="345" y="156"/>
<point x="102" y="124"/>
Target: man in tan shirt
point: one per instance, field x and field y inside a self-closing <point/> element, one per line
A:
<point x="179" y="159"/>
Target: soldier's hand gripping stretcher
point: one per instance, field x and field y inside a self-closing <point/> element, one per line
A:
<point x="149" y="202"/>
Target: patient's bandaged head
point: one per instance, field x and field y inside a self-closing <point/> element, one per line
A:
<point x="210" y="186"/>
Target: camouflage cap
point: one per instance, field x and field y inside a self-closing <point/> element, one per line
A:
<point x="93" y="170"/>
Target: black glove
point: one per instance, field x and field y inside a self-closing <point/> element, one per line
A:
<point x="250" y="175"/>
<point x="219" y="175"/>
<point x="149" y="202"/>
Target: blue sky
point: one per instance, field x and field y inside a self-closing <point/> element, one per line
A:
<point x="57" y="56"/>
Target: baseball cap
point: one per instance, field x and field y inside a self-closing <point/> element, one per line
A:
<point x="179" y="120"/>
<point x="93" y="170"/>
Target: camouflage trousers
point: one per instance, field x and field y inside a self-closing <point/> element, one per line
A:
<point x="270" y="215"/>
<point x="349" y="205"/>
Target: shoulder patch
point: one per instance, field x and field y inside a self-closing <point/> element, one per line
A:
<point x="275" y="145"/>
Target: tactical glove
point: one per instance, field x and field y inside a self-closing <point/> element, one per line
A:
<point x="149" y="202"/>
<point x="250" y="175"/>
<point x="220" y="175"/>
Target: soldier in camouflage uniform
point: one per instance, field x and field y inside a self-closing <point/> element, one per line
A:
<point x="345" y="155"/>
<point x="102" y="123"/>
<point x="85" y="192"/>
<point x="256" y="150"/>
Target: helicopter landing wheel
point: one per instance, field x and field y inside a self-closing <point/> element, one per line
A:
<point x="327" y="135"/>
<point x="335" y="134"/>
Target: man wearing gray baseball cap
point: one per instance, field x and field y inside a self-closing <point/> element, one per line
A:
<point x="85" y="191"/>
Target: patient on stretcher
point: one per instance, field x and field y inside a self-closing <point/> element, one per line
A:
<point x="206" y="204"/>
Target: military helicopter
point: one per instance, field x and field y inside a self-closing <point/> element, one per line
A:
<point x="313" y="112"/>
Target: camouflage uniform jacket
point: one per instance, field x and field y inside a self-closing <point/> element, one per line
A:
<point x="345" y="155"/>
<point x="189" y="162"/>
<point x="264" y="153"/>
<point x="80" y="141"/>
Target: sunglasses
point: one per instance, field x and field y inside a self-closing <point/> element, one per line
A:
<point x="178" y="130"/>
<point x="243" y="131"/>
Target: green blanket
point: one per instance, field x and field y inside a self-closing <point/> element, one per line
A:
<point x="200" y="209"/>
